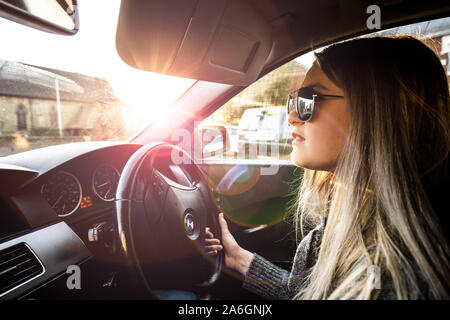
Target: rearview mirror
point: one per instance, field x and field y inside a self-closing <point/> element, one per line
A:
<point x="55" y="16"/>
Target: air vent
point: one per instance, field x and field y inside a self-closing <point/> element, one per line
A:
<point x="17" y="266"/>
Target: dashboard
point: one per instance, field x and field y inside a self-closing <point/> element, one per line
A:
<point x="75" y="182"/>
<point x="52" y="198"/>
<point x="85" y="186"/>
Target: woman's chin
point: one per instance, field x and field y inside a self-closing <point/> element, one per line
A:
<point x="297" y="159"/>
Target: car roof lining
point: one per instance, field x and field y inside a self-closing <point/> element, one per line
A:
<point x="236" y="41"/>
<point x="297" y="31"/>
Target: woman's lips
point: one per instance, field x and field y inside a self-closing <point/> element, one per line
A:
<point x="297" y="138"/>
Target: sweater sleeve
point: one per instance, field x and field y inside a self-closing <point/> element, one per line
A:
<point x="266" y="279"/>
<point x="272" y="282"/>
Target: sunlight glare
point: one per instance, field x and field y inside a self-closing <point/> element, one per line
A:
<point x="92" y="52"/>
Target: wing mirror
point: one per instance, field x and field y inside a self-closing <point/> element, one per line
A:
<point x="55" y="16"/>
<point x="212" y="140"/>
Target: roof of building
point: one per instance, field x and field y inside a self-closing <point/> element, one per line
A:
<point x="23" y="80"/>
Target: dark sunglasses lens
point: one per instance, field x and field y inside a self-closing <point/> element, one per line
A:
<point x="305" y="108"/>
<point x="306" y="92"/>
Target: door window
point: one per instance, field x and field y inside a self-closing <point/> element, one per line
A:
<point x="255" y="119"/>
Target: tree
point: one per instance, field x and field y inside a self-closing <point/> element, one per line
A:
<point x="270" y="90"/>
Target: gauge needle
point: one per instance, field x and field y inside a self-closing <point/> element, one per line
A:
<point x="103" y="184"/>
<point x="60" y="197"/>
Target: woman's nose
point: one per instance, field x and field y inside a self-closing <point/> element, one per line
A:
<point x="293" y="119"/>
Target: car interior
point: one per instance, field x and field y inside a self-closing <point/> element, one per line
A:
<point x="129" y="214"/>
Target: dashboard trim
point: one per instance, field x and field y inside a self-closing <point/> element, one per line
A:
<point x="29" y="280"/>
<point x="56" y="247"/>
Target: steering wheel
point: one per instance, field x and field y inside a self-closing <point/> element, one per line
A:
<point x="163" y="207"/>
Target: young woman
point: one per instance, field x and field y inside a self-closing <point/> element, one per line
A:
<point x="371" y="129"/>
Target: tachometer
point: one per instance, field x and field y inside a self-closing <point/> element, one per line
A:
<point x="104" y="182"/>
<point x="63" y="192"/>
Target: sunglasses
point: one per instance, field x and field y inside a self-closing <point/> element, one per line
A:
<point x="303" y="101"/>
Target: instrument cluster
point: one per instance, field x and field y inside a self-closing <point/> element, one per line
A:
<point x="66" y="194"/>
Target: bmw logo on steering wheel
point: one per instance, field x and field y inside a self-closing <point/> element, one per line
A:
<point x="190" y="226"/>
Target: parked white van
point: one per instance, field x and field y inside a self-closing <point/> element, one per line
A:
<point x="264" y="131"/>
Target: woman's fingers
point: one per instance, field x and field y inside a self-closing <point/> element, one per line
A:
<point x="212" y="244"/>
<point x="208" y="233"/>
<point x="212" y="241"/>
<point x="216" y="247"/>
<point x="227" y="238"/>
<point x="223" y="225"/>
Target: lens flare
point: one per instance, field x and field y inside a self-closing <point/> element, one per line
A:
<point x="240" y="177"/>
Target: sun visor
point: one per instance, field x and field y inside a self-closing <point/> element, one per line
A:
<point x="223" y="41"/>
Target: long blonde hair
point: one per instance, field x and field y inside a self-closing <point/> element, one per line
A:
<point x="380" y="199"/>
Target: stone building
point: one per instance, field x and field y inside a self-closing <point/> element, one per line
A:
<point x="39" y="103"/>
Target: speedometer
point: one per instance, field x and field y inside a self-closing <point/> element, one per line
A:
<point x="63" y="192"/>
<point x="104" y="182"/>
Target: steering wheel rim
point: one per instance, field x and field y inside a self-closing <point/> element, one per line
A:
<point x="133" y="196"/>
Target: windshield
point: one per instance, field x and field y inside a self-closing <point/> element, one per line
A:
<point x="58" y="89"/>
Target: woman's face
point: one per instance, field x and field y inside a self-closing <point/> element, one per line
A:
<point x="318" y="142"/>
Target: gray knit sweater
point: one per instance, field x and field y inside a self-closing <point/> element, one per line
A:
<point x="271" y="282"/>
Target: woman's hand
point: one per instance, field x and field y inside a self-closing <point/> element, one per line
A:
<point x="235" y="256"/>
<point x="213" y="245"/>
